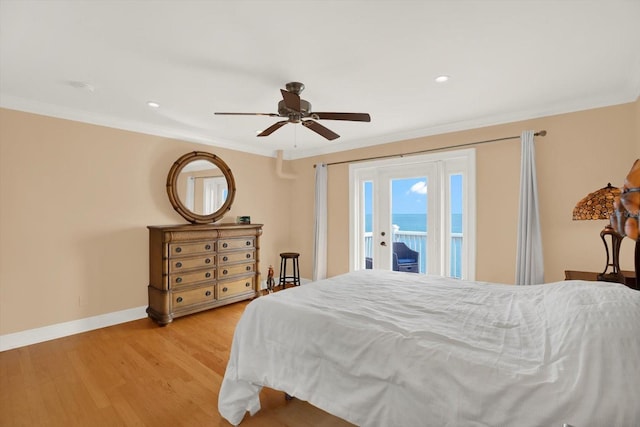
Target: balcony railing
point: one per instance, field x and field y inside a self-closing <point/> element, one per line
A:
<point x="417" y="240"/>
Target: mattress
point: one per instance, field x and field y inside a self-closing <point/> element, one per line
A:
<point x="384" y="348"/>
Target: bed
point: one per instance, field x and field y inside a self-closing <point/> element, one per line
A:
<point x="385" y="348"/>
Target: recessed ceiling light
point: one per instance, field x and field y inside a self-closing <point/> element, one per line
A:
<point x="153" y="104"/>
<point x="442" y="79"/>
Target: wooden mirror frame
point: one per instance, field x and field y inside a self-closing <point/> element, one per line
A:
<point x="172" y="187"/>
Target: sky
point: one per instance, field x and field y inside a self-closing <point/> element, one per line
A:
<point x="409" y="196"/>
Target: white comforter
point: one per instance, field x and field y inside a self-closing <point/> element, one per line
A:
<point x="396" y="349"/>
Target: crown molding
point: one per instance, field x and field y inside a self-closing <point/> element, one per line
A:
<point x="30" y="106"/>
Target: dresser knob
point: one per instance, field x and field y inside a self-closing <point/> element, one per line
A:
<point x="179" y="299"/>
<point x="248" y="243"/>
<point x="224" y="245"/>
<point x="225" y="258"/>
<point x="207" y="261"/>
<point x="178" y="279"/>
<point x="224" y="289"/>
<point x="248" y="268"/>
<point x="224" y="272"/>
<point x="208" y="293"/>
<point x="207" y="247"/>
<point x="248" y="256"/>
<point x="178" y="249"/>
<point x="178" y="264"/>
<point x="207" y="275"/>
<point x="247" y="284"/>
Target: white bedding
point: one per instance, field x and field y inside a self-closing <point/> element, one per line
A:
<point x="383" y="348"/>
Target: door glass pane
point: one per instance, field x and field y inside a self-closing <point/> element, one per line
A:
<point x="455" y="208"/>
<point x="368" y="224"/>
<point x="409" y="224"/>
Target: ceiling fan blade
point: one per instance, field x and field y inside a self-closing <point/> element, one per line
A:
<point x="354" y="117"/>
<point x="320" y="130"/>
<point x="291" y="100"/>
<point x="274" y="127"/>
<point x="247" y="114"/>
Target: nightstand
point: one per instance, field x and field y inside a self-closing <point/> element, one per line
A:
<point x="629" y="276"/>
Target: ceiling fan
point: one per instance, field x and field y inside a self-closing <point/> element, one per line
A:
<point x="297" y="110"/>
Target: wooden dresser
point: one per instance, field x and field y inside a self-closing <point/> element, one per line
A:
<point x="197" y="267"/>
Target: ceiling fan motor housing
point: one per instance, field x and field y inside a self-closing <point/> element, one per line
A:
<point x="295" y="116"/>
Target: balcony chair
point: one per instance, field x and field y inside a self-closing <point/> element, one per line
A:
<point x="405" y="259"/>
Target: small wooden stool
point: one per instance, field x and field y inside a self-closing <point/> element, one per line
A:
<point x="295" y="275"/>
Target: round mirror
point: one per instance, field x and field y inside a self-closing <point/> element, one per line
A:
<point x="201" y="187"/>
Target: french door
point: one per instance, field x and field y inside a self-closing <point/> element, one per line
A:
<point x="414" y="214"/>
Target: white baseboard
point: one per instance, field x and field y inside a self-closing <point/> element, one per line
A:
<point x="59" y="330"/>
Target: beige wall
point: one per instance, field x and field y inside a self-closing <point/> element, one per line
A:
<point x="75" y="200"/>
<point x="637" y="136"/>
<point x="582" y="152"/>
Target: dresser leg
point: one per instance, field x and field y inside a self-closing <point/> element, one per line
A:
<point x="159" y="318"/>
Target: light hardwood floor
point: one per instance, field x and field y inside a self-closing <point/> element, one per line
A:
<point x="137" y="374"/>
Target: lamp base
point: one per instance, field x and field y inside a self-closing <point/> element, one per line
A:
<point x="616" y="239"/>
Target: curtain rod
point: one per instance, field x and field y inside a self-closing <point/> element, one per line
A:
<point x="540" y="133"/>
<point x="207" y="176"/>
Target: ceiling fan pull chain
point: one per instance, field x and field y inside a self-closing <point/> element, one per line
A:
<point x="295" y="137"/>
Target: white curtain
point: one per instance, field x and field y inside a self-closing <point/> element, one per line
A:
<point x="529" y="262"/>
<point x="191" y="188"/>
<point x="320" y="234"/>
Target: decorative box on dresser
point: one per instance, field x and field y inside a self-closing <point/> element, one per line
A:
<point x="198" y="267"/>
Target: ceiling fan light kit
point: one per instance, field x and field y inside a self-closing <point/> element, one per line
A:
<point x="297" y="110"/>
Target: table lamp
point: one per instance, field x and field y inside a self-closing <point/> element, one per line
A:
<point x="599" y="205"/>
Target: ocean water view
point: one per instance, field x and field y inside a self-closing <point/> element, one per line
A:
<point x="415" y="222"/>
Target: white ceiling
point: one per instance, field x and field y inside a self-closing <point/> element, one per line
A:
<point x="101" y="61"/>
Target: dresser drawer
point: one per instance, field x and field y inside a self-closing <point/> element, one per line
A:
<point x="182" y="249"/>
<point x="234" y="287"/>
<point x="182" y="264"/>
<point x="188" y="277"/>
<point x="233" y="244"/>
<point x="234" y="270"/>
<point x="236" y="257"/>
<point x="183" y="299"/>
